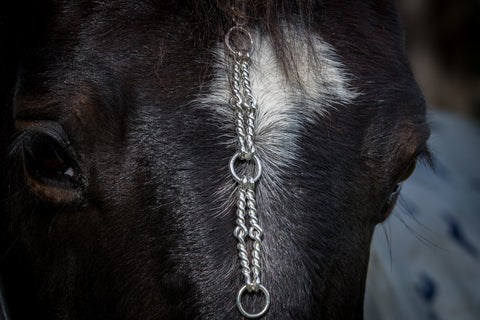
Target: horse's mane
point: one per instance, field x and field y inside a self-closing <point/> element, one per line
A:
<point x="271" y="17"/>
<point x="270" y="13"/>
<point x="210" y="17"/>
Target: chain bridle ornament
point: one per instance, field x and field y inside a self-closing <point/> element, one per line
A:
<point x="244" y="105"/>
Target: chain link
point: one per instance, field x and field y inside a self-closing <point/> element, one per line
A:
<point x="245" y="107"/>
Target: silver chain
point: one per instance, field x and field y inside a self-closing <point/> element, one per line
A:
<point x="245" y="107"/>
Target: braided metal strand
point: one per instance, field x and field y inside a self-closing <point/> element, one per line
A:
<point x="239" y="109"/>
<point x="255" y="232"/>
<point x="240" y="233"/>
<point x="245" y="108"/>
<point x="250" y="104"/>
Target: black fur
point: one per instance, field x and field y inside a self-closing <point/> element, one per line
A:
<point x="146" y="232"/>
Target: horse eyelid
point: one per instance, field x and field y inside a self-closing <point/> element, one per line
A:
<point x="24" y="137"/>
<point x="25" y="141"/>
<point x="16" y="147"/>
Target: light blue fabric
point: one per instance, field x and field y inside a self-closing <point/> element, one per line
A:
<point x="425" y="259"/>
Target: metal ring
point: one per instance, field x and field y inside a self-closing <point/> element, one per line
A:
<point x="234" y="174"/>
<point x="248" y="51"/>
<point x="253" y="315"/>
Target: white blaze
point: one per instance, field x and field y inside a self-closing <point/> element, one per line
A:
<point x="284" y="106"/>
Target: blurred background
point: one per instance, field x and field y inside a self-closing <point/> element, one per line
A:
<point x="443" y="43"/>
<point x="425" y="258"/>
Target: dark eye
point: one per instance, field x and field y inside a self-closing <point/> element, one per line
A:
<point x="390" y="202"/>
<point x="47" y="161"/>
<point x="393" y="196"/>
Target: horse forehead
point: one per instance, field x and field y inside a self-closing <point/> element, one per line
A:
<point x="321" y="84"/>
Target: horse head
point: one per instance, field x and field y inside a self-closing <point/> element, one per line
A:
<point x="118" y="128"/>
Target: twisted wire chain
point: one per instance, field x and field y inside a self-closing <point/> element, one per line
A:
<point x="250" y="104"/>
<point x="238" y="102"/>
<point x="255" y="232"/>
<point x="240" y="233"/>
<point x="245" y="108"/>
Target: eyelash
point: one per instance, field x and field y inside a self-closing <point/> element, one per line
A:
<point x="424" y="156"/>
<point x="45" y="158"/>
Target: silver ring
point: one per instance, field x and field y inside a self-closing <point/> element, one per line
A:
<point x="234" y="174"/>
<point x="240" y="52"/>
<point x="253" y="315"/>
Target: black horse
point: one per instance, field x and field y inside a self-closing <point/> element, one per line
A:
<point x="116" y="134"/>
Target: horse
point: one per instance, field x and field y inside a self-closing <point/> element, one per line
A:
<point x="119" y="120"/>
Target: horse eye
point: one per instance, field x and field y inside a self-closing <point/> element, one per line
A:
<point x="408" y="171"/>
<point x="392" y="198"/>
<point x="390" y="202"/>
<point x="45" y="159"/>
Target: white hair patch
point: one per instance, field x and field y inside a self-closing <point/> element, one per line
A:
<point x="284" y="106"/>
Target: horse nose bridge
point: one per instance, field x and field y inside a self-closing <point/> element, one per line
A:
<point x="287" y="232"/>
